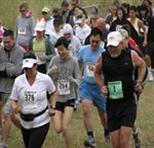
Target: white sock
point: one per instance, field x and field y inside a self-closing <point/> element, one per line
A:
<point x="149" y="68"/>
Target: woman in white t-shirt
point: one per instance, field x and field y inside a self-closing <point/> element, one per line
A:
<point x="31" y="95"/>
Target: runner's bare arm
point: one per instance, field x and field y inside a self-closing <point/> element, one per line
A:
<point x="81" y="68"/>
<point x="14" y="106"/>
<point x="98" y="76"/>
<point x="52" y="101"/>
<point x="140" y="64"/>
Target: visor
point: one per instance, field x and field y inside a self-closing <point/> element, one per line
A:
<point x="28" y="63"/>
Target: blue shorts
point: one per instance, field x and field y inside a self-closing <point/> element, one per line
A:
<point x="93" y="92"/>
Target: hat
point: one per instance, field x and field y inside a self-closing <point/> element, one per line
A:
<point x="67" y="29"/>
<point x="123" y="32"/>
<point x="45" y="9"/>
<point x="114" y="38"/>
<point x="28" y="63"/>
<point x="40" y="26"/>
<point x="78" y="21"/>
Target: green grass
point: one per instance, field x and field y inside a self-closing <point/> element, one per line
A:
<point x="9" y="8"/>
<point x="145" y="121"/>
<point x="8" y="14"/>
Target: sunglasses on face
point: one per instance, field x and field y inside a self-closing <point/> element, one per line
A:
<point x="6" y="42"/>
<point x="67" y="34"/>
<point x="94" y="41"/>
<point x="22" y="10"/>
<point x="43" y="13"/>
<point x="112" y="46"/>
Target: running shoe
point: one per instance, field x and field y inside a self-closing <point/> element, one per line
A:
<point x="137" y="137"/>
<point x="107" y="136"/>
<point x="90" y="142"/>
<point x="150" y="76"/>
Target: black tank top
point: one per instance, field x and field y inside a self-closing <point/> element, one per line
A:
<point x="119" y="76"/>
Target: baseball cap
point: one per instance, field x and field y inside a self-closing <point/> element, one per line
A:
<point x="40" y="26"/>
<point x="114" y="38"/>
<point x="67" y="29"/>
<point x="79" y="19"/>
<point x="124" y="33"/>
<point x="28" y="63"/>
<point x="45" y="9"/>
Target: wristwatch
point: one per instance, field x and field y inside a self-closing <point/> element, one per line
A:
<point x="52" y="106"/>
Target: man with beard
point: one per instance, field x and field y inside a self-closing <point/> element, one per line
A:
<point x="118" y="84"/>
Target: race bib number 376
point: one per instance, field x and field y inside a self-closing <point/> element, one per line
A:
<point x="115" y="90"/>
<point x="30" y="97"/>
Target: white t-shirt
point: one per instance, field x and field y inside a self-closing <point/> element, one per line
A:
<point x="82" y="32"/>
<point x="54" y="36"/>
<point x="74" y="46"/>
<point x="33" y="98"/>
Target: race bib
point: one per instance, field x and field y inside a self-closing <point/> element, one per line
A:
<point x="22" y="31"/>
<point x="39" y="56"/>
<point x="90" y="70"/>
<point x="63" y="87"/>
<point x="30" y="99"/>
<point x="115" y="90"/>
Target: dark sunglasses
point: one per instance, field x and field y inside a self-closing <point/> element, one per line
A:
<point x="111" y="46"/>
<point x="22" y="10"/>
<point x="43" y="13"/>
<point x="93" y="41"/>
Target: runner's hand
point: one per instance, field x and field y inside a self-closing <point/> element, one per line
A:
<point x="138" y="87"/>
<point x="17" y="109"/>
<point x="53" y="70"/>
<point x="104" y="90"/>
<point x="52" y="112"/>
<point x="42" y="57"/>
<point x="71" y="79"/>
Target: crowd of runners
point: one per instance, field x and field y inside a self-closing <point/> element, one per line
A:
<point x="68" y="58"/>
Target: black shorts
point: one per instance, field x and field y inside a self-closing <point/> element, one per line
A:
<point x="61" y="105"/>
<point x="121" y="113"/>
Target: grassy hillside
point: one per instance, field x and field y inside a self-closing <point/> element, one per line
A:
<point x="9" y="8"/>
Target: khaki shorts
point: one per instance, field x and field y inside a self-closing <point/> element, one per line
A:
<point x="4" y="97"/>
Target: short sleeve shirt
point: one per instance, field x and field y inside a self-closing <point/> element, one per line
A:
<point x="89" y="58"/>
<point x="33" y="98"/>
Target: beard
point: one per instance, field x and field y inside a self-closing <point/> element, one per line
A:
<point x="115" y="55"/>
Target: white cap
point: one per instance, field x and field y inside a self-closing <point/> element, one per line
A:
<point x="28" y="63"/>
<point x="45" y="9"/>
<point x="67" y="29"/>
<point x="40" y="26"/>
<point x="79" y="20"/>
<point x="124" y="33"/>
<point x="114" y="38"/>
